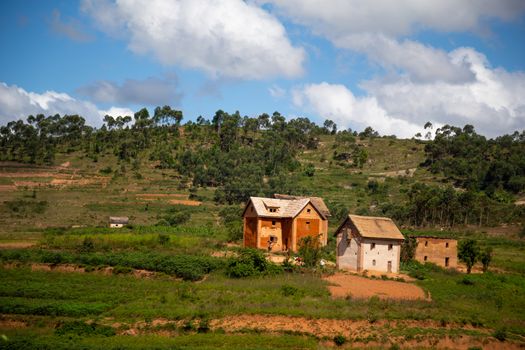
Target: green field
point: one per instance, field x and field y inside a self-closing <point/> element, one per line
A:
<point x="101" y="298"/>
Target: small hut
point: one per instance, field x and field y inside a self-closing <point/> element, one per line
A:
<point x="438" y="250"/>
<point x="118" y="221"/>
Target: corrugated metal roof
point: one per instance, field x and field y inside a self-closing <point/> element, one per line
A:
<point x="284" y="208"/>
<point x="376" y="227"/>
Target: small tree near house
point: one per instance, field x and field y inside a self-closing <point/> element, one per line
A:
<point x="486" y="258"/>
<point x="468" y="253"/>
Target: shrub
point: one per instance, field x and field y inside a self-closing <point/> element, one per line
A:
<point x="87" y="245"/>
<point x="309" y="250"/>
<point x="500" y="334"/>
<point x="486" y="258"/>
<point x="250" y="262"/>
<point x="82" y="328"/>
<point x="178" y="218"/>
<point x="106" y="170"/>
<point x="339" y="340"/>
<point x="288" y="290"/>
<point x="117" y="270"/>
<point x="163" y="239"/>
<point x="466" y="281"/>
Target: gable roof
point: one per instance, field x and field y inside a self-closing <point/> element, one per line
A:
<point x="374" y="227"/>
<point x="317" y="202"/>
<point x="118" y="220"/>
<point x="286" y="208"/>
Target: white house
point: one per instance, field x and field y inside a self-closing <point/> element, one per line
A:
<point x="368" y="243"/>
<point x="118" y="221"/>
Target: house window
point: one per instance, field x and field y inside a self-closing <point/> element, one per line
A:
<point x="372" y="246"/>
<point x="308" y="210"/>
<point x="273" y="223"/>
<point x="446" y="261"/>
<point x="308" y="222"/>
<point x="272" y="210"/>
<point x="426" y="243"/>
<point x="390" y="246"/>
<point x="446" y="245"/>
<point x="373" y="262"/>
<point x="425" y="258"/>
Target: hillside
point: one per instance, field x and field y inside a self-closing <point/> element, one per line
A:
<point x="176" y="276"/>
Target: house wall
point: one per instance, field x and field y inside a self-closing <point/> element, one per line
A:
<point x="271" y="227"/>
<point x="347" y="249"/>
<point x="250" y="230"/>
<point x="381" y="254"/>
<point x="309" y="223"/>
<point x="436" y="251"/>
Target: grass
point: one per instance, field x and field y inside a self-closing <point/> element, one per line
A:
<point x="25" y="339"/>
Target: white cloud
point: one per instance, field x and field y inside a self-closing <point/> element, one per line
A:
<point x="150" y="91"/>
<point x="336" y="102"/>
<point x="117" y="112"/>
<point x="276" y="91"/>
<point x="379" y="29"/>
<point x="17" y="103"/>
<point x="420" y="62"/>
<point x="338" y="18"/>
<point x="494" y="101"/>
<point x="229" y="38"/>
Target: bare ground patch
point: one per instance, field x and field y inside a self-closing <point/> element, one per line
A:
<point x="343" y="285"/>
<point x="360" y="333"/>
<point x="185" y="202"/>
<point x="17" y="245"/>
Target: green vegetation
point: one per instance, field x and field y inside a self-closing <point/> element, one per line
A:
<point x="70" y="177"/>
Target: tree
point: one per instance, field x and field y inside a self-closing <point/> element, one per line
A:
<point x="486" y="258"/>
<point x="408" y="249"/>
<point x="310" y="251"/>
<point x="468" y="253"/>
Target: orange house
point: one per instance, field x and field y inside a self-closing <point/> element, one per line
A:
<point x="279" y="224"/>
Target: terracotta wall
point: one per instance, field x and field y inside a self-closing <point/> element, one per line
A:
<point x="271" y="227"/>
<point x="250" y="232"/>
<point x="436" y="251"/>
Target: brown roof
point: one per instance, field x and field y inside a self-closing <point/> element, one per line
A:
<point x="317" y="202"/>
<point x="375" y="227"/>
<point x="286" y="208"/>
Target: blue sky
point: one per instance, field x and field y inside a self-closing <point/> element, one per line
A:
<point x="359" y="63"/>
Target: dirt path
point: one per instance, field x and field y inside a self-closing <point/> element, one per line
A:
<point x="360" y="333"/>
<point x="344" y="285"/>
<point x="17" y="245"/>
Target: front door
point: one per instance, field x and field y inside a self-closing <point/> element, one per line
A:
<point x="389" y="266"/>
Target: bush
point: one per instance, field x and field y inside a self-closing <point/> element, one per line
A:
<point x="87" y="246"/>
<point x="82" y="328"/>
<point x="177" y="218"/>
<point x="106" y="170"/>
<point x="250" y="262"/>
<point x="117" y="270"/>
<point x="339" y="340"/>
<point x="500" y="334"/>
<point x="310" y="251"/>
<point x="163" y="239"/>
<point x="287" y="291"/>
<point x="466" y="281"/>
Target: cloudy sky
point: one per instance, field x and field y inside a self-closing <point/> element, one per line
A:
<point x="393" y="65"/>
